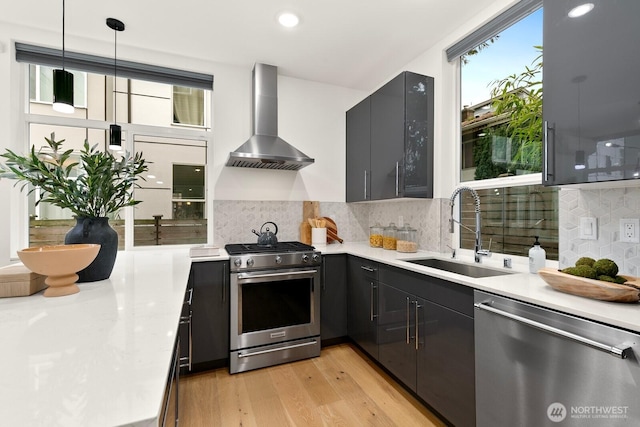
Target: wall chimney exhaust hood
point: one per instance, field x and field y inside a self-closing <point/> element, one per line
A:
<point x="265" y="149"/>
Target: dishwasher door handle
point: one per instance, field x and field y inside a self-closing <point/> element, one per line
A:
<point x="620" y="350"/>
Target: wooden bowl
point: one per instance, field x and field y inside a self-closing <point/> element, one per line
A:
<point x="590" y="288"/>
<point x="59" y="263"/>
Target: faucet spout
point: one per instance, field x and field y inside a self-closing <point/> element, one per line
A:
<point x="477" y="250"/>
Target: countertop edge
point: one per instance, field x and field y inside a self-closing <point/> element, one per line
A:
<point x="521" y="285"/>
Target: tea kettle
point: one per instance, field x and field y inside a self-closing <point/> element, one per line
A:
<point x="266" y="237"/>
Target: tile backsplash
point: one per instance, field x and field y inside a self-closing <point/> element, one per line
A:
<point x="608" y="206"/>
<point x="234" y="219"/>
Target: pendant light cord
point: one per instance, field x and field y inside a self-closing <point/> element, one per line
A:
<point x="115" y="75"/>
<point x="63" y="13"/>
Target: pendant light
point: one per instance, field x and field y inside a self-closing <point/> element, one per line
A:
<point x="115" y="131"/>
<point x="63" y="82"/>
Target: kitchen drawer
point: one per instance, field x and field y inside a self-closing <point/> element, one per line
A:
<point x="448" y="294"/>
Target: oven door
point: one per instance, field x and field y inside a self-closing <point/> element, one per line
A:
<point x="274" y="306"/>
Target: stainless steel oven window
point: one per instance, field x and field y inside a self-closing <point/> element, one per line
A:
<point x="270" y="300"/>
<point x="275" y="304"/>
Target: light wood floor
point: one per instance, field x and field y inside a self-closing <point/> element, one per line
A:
<point x="339" y="388"/>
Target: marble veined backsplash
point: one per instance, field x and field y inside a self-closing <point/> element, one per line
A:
<point x="234" y="219"/>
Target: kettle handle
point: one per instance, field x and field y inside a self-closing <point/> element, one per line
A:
<point x="270" y="222"/>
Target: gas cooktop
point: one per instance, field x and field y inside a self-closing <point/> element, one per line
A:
<point x="254" y="248"/>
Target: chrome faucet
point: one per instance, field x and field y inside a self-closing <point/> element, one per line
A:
<point x="478" y="252"/>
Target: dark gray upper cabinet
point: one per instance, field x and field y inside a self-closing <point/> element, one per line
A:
<point x="591" y="92"/>
<point x="400" y="141"/>
<point x="359" y="152"/>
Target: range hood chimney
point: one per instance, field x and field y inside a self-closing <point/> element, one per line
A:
<point x="265" y="149"/>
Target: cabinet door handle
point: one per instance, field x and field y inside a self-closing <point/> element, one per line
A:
<point x="397" y="176"/>
<point x="418" y="306"/>
<point x="224" y="282"/>
<point x="365" y="184"/>
<point x="324" y="275"/>
<point x="372" y="315"/>
<point x="367" y="268"/>
<point x="408" y="310"/>
<point x="545" y="136"/>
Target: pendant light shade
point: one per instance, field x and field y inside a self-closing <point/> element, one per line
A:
<point x="115" y="137"/>
<point x="115" y="131"/>
<point x="580" y="160"/>
<point x="63" y="91"/>
<point x="63" y="83"/>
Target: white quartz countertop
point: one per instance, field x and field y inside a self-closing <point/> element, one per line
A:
<point x="100" y="357"/>
<point x="522" y="285"/>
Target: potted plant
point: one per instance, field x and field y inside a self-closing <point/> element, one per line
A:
<point x="96" y="186"/>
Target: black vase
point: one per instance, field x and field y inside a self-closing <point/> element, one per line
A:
<point x="95" y="230"/>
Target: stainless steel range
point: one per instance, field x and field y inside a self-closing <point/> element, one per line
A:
<point x="275" y="304"/>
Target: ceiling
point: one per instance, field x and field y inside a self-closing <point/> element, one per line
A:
<point x="351" y="43"/>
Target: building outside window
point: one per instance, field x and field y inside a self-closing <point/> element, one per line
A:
<point x="501" y="141"/>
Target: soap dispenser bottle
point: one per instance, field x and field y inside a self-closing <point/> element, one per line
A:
<point x="537" y="257"/>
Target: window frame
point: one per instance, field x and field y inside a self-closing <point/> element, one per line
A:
<point x="454" y="54"/>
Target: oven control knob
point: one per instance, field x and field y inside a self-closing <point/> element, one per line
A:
<point x="316" y="258"/>
<point x="249" y="262"/>
<point x="237" y="262"/>
<point x="278" y="259"/>
<point x="305" y="258"/>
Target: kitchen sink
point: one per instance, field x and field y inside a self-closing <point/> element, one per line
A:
<point x="470" y="270"/>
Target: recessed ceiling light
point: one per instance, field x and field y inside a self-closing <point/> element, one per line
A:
<point x="151" y="176"/>
<point x="159" y="182"/>
<point x="288" y="19"/>
<point x="580" y="10"/>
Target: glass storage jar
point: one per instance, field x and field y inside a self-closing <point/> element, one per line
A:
<point x="407" y="239"/>
<point x="389" y="237"/>
<point x="375" y="236"/>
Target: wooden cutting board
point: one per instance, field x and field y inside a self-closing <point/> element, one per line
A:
<point x="332" y="230"/>
<point x="310" y="209"/>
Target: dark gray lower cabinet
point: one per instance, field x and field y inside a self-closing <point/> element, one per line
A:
<point x="210" y="314"/>
<point x="362" y="300"/>
<point x="333" y="305"/>
<point x="446" y="363"/>
<point x="397" y="333"/>
<point x="426" y="339"/>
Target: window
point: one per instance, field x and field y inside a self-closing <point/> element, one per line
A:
<point x="501" y="134"/>
<point x="174" y="193"/>
<point x="169" y="213"/>
<point x="501" y="89"/>
<point x="188" y="106"/>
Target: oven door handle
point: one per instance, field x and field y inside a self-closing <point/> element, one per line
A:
<point x="248" y="277"/>
<point x="271" y="350"/>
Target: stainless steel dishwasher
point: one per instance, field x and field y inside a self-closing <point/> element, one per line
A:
<point x="538" y="367"/>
